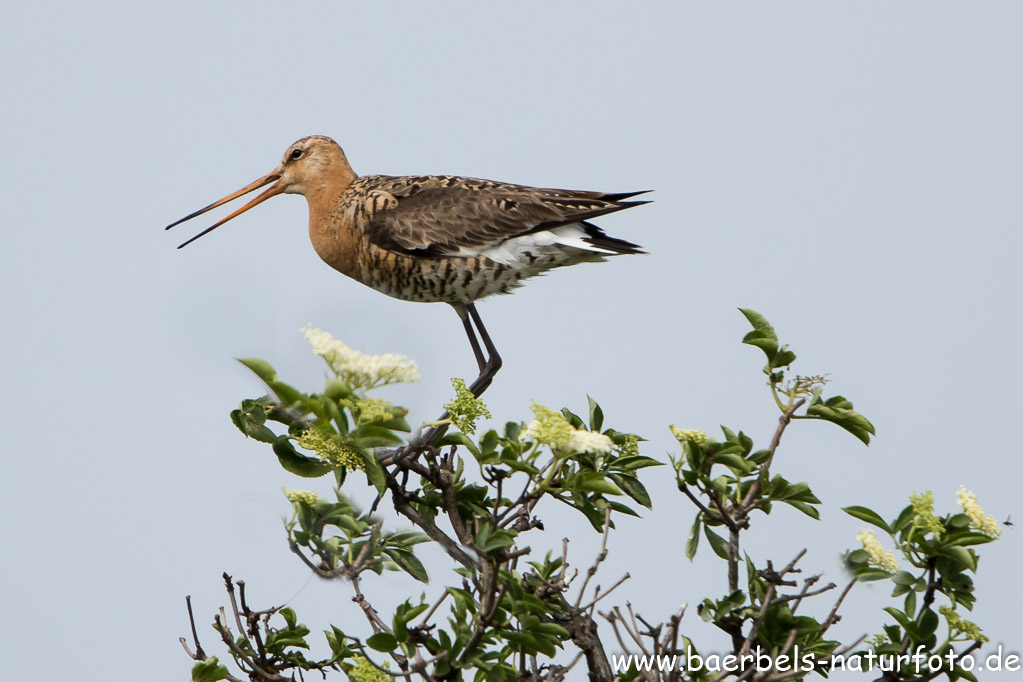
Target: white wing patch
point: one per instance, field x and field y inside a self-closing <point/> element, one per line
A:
<point x="515" y="251"/>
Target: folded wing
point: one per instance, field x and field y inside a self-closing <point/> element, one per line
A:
<point x="459" y="217"/>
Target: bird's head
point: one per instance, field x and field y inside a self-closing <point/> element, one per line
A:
<point x="308" y="166"/>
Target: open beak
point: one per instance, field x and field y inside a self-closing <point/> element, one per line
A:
<point x="263" y="181"/>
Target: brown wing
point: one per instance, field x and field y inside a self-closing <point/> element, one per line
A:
<point x="445" y="215"/>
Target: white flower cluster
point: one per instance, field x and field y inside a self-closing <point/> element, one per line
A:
<point x="923" y="510"/>
<point x="590" y="441"/>
<point x="551" y="428"/>
<point x="358" y="369"/>
<point x="985" y="523"/>
<point x="308" y="496"/>
<point x="698" y="436"/>
<point x="879" y="556"/>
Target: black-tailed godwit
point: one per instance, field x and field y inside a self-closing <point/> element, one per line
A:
<point x="436" y="238"/>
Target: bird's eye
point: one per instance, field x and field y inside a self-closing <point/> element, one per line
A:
<point x="296" y="154"/>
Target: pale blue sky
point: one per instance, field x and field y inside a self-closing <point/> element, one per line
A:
<point x="851" y="170"/>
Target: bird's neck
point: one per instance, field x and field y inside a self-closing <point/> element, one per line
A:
<point x="329" y="185"/>
<point x="333" y="236"/>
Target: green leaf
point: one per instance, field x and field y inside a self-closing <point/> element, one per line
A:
<point x="633" y="462"/>
<point x="759" y="457"/>
<point x="871" y="574"/>
<point x="336" y="640"/>
<point x="331" y="411"/>
<point x="766" y="344"/>
<point x="784" y="358"/>
<point x="622" y="509"/>
<point x="488" y="443"/>
<point x="463" y="599"/>
<point x="868" y="515"/>
<point x="209" y="670"/>
<point x="512" y="430"/>
<point x="277" y="642"/>
<point x="552" y="629"/>
<point x="382" y="641"/>
<point x="960" y="554"/>
<point x="593" y="515"/>
<point x="491" y="541"/>
<point x="730" y="603"/>
<point x="928" y="623"/>
<point x="371" y="436"/>
<point x="265" y="371"/>
<point x="717" y="543"/>
<point x="593" y="481"/>
<point x="397" y="422"/>
<point x="298" y="464"/>
<point x="528" y="601"/>
<point x="729" y="448"/>
<point x="904" y="578"/>
<point x="910" y="604"/>
<point x="847" y="418"/>
<point x="966" y="539"/>
<point x="261" y="368"/>
<point x="693" y="541"/>
<point x="337" y="390"/>
<point x="458" y="438"/>
<point x="904" y="518"/>
<point x="530" y="643"/>
<point x="734" y="462"/>
<point x="408" y="562"/>
<point x="251" y="423"/>
<point x="901" y="619"/>
<point x="374" y="472"/>
<point x="596" y="415"/>
<point x="633" y="488"/>
<point x="958" y="673"/>
<point x="288" y="394"/>
<point x="807" y="509"/>
<point x="763" y="335"/>
<point x="959" y="521"/>
<point x="400" y="629"/>
<point x="499" y="540"/>
<point x="406" y="538"/>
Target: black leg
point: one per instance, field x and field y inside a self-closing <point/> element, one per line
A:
<point x="463" y="314"/>
<point x="488" y="365"/>
<point x="493" y="363"/>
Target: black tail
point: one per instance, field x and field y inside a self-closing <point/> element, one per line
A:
<point x="600" y="239"/>
<point x="625" y="195"/>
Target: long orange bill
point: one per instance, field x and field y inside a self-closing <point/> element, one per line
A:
<point x="265" y="180"/>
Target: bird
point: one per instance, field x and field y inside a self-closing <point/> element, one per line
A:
<point x="436" y="238"/>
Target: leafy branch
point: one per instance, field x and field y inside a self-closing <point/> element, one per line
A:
<point x="502" y="613"/>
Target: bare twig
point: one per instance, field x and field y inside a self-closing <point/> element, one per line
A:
<point x="402" y="506"/>
<point x="833" y="617"/>
<point x="322" y="572"/>
<point x="429" y="614"/>
<point x="695" y="500"/>
<point x="601" y="555"/>
<point x="783" y="421"/>
<point x="371" y="614"/>
<point x="747" y="643"/>
<point x="597" y="597"/>
<point x="613" y="618"/>
<point x="234" y="604"/>
<point x="199" y="654"/>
